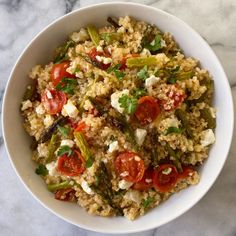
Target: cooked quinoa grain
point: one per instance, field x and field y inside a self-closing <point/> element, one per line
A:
<point x="120" y="120"/>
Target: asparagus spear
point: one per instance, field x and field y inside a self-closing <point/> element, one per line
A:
<point x="93" y="34"/>
<point x="62" y="185"/>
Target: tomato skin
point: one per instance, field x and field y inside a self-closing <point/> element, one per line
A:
<point x="81" y="126"/>
<point x="53" y="100"/>
<point x="67" y="194"/>
<point x="146" y="182"/>
<point x="129" y="166"/>
<point x="187" y="172"/>
<point x="93" y="53"/>
<point x="58" y="72"/>
<point x="165" y="182"/>
<point x="148" y="109"/>
<point x="71" y="165"/>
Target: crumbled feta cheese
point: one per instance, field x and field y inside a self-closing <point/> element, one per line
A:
<point x="105" y="60"/>
<point x="115" y="99"/>
<point x="99" y="49"/>
<point x="48" y="120"/>
<point x="123" y="184"/>
<point x="133" y="195"/>
<point x="114" y="146"/>
<point x="145" y="52"/>
<point x="87" y="105"/>
<point x="173" y="122"/>
<point x="67" y="142"/>
<point x="80" y="36"/>
<point x="137" y="158"/>
<point x="26" y="105"/>
<point x="208" y="137"/>
<point x="40" y="109"/>
<point x="42" y="150"/>
<point x="140" y="135"/>
<point x="69" y="109"/>
<point x="49" y="95"/>
<point x="52" y="168"/>
<point x="86" y="187"/>
<point x="163" y="43"/>
<point x="152" y="80"/>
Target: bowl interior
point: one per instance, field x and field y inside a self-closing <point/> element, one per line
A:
<point x="40" y="51"/>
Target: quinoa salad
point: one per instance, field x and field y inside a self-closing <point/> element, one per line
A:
<point x="120" y="120"/>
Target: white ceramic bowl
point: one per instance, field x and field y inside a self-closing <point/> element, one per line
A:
<point x="39" y="51"/>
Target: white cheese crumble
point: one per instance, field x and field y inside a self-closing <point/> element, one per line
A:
<point x="140" y="135"/>
<point x="42" y="150"/>
<point x="113" y="146"/>
<point x="52" y="168"/>
<point x="99" y="49"/>
<point x="26" y="105"/>
<point x="48" y="120"/>
<point x="105" y="60"/>
<point x="67" y="142"/>
<point x="40" y="109"/>
<point x="80" y="36"/>
<point x="152" y="80"/>
<point x="123" y="184"/>
<point x="86" y="187"/>
<point x="69" y="109"/>
<point x="49" y="95"/>
<point x="115" y="99"/>
<point x="207" y="137"/>
<point x="133" y="195"/>
<point x="145" y="52"/>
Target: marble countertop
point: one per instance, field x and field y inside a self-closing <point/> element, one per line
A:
<point x="20" y="214"/>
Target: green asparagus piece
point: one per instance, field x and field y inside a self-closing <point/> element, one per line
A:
<point x="174" y="155"/>
<point x="62" y="185"/>
<point x="141" y="61"/>
<point x="110" y="37"/>
<point x="93" y="33"/>
<point x="97" y="105"/>
<point x="30" y="92"/>
<point x="84" y="148"/>
<point x="181" y="115"/>
<point x="62" y="51"/>
<point x="206" y="115"/>
<point x="52" y="148"/>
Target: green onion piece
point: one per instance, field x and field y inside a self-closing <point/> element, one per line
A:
<point x="173" y="129"/>
<point x="93" y="33"/>
<point x="141" y="61"/>
<point x="206" y="115"/>
<point x="55" y="187"/>
<point x="84" y="148"/>
<point x="52" y="148"/>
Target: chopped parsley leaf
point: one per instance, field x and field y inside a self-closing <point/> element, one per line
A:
<point x="155" y="44"/>
<point x="139" y="92"/>
<point x="147" y="202"/>
<point x="143" y="73"/>
<point x="67" y="85"/>
<point x="63" y="130"/>
<point x="64" y="150"/>
<point x="41" y="170"/>
<point x="116" y="70"/>
<point x="173" y="129"/>
<point x="128" y="103"/>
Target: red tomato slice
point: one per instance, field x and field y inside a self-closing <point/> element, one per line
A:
<point x="187" y="172"/>
<point x="67" y="194"/>
<point x="53" y="100"/>
<point x="58" y="72"/>
<point x="148" y="109"/>
<point x="70" y="165"/>
<point x="174" y="98"/>
<point x="93" y="53"/>
<point x="165" y="177"/>
<point x="146" y="182"/>
<point x="81" y="126"/>
<point x="130" y="166"/>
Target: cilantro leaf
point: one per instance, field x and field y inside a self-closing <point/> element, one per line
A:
<point x="62" y="51"/>
<point x="155" y="44"/>
<point x="89" y="163"/>
<point x="41" y="170"/>
<point x="139" y="92"/>
<point x="143" y="73"/>
<point x="64" y="150"/>
<point x="116" y="70"/>
<point x="67" y="85"/>
<point x="63" y="130"/>
<point x="173" y="129"/>
<point x="147" y="202"/>
<point x="128" y="103"/>
<point x="171" y="80"/>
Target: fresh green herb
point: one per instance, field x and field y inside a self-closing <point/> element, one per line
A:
<point x="143" y="73"/>
<point x="41" y="170"/>
<point x="155" y="44"/>
<point x="62" y="51"/>
<point x="116" y="69"/>
<point x="84" y="148"/>
<point x="65" y="131"/>
<point x="171" y="80"/>
<point x="128" y="103"/>
<point x="64" y="150"/>
<point x="62" y="185"/>
<point x="77" y="70"/>
<point x="147" y="202"/>
<point x="67" y="85"/>
<point x="173" y="129"/>
<point x="175" y="69"/>
<point x="110" y="37"/>
<point x="139" y="92"/>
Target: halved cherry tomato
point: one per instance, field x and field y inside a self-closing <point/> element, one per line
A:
<point x="187" y="172"/>
<point x="130" y="166"/>
<point x="53" y="100"/>
<point x="67" y="194"/>
<point x="58" y="72"/>
<point x="165" y="177"/>
<point x="174" y="97"/>
<point x="71" y="165"/>
<point x="148" y="109"/>
<point x="146" y="182"/>
<point x="93" y="55"/>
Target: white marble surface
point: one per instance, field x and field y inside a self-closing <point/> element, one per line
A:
<point x="20" y="214"/>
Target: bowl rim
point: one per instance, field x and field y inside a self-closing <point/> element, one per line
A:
<point x="3" y="117"/>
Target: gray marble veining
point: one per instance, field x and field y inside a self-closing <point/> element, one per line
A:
<point x="20" y="214"/>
